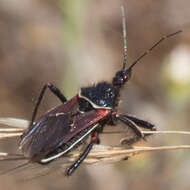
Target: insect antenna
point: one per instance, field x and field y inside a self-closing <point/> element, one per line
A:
<point x="124" y="36"/>
<point x="154" y="45"/>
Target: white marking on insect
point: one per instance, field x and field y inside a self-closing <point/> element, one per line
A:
<point x="93" y="104"/>
<point x="65" y="151"/>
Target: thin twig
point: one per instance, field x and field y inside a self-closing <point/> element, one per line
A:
<point x="167" y="132"/>
<point x="11" y="130"/>
<point x="119" y="153"/>
<point x="151" y="132"/>
<point x="98" y="153"/>
<point x="18" y="123"/>
<point x="9" y="135"/>
<point x="101" y="153"/>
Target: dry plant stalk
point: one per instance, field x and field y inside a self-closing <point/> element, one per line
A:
<point x="99" y="153"/>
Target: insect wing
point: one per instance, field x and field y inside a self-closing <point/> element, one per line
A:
<point x="82" y="126"/>
<point x="47" y="136"/>
<point x="56" y="128"/>
<point x="48" y="130"/>
<point x="86" y="120"/>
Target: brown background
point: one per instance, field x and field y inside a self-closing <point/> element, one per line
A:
<point x="75" y="43"/>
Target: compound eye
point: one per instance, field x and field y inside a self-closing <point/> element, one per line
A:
<point x="119" y="78"/>
<point x="126" y="77"/>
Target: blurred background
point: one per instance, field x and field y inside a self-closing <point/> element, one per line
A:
<point x="77" y="43"/>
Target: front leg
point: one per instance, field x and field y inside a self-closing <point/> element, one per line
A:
<point x="134" y="124"/>
<point x="131" y="124"/>
<point x="140" y="122"/>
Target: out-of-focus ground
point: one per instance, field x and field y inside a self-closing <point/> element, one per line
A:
<point x="75" y="43"/>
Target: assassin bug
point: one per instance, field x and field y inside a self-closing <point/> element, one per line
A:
<point x="63" y="128"/>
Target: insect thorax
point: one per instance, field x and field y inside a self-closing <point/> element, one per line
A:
<point x="101" y="95"/>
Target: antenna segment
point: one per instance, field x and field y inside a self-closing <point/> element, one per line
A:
<point x="124" y="36"/>
<point x="154" y="45"/>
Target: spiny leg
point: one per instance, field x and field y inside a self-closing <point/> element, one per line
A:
<point x="131" y="124"/>
<point x="94" y="139"/>
<point x="140" y="122"/>
<point x="53" y="89"/>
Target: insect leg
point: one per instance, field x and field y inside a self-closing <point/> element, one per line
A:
<point x="140" y="122"/>
<point x="131" y="124"/>
<point x="72" y="168"/>
<point x="53" y="89"/>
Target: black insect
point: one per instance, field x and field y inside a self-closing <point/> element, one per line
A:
<point x="64" y="128"/>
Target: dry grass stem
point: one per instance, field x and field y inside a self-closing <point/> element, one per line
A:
<point x="99" y="153"/>
<point x="9" y="135"/>
<point x="19" y="125"/>
<point x="14" y="122"/>
<point x="15" y="132"/>
<point x="114" y="154"/>
<point x="11" y="130"/>
<point x="167" y="132"/>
